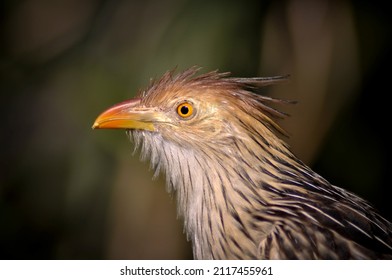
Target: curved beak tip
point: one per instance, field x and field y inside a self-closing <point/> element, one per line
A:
<point x="95" y="125"/>
<point x="125" y="115"/>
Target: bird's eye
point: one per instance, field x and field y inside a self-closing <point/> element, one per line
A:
<point x="185" y="110"/>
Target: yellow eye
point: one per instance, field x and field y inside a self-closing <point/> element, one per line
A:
<point x="185" y="110"/>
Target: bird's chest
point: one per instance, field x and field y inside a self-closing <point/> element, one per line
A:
<point x="227" y="236"/>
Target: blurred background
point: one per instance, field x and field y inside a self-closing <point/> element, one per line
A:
<point x="67" y="192"/>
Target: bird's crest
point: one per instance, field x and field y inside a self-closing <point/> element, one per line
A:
<point x="246" y="90"/>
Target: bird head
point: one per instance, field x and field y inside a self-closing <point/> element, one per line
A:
<point x="196" y="111"/>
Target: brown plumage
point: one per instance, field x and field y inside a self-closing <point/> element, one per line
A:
<point x="241" y="192"/>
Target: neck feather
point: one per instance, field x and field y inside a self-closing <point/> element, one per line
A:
<point x="218" y="192"/>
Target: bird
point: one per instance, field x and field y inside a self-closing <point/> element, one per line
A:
<point x="241" y="192"/>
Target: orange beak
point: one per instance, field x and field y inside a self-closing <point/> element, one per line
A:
<point x="127" y="115"/>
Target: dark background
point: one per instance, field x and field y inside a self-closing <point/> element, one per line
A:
<point x="67" y="192"/>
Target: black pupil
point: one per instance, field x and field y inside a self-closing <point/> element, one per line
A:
<point x="184" y="110"/>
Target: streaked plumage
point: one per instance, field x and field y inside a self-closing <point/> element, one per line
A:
<point x="241" y="192"/>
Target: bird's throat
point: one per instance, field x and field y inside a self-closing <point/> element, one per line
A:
<point x="218" y="194"/>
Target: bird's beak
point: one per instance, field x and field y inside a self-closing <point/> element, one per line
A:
<point x="127" y="115"/>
